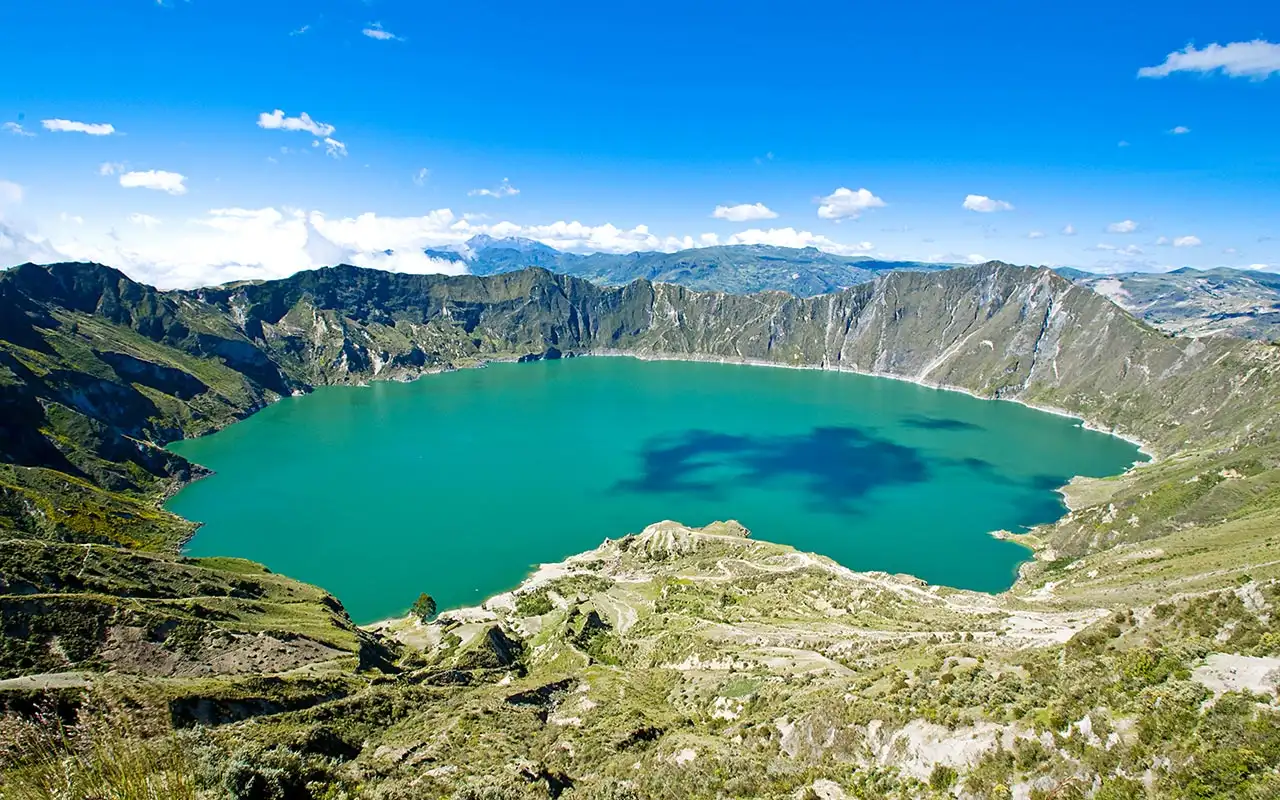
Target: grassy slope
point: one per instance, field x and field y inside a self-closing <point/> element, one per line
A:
<point x="1145" y="575"/>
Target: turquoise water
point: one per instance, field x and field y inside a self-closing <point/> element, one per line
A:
<point x="459" y="483"/>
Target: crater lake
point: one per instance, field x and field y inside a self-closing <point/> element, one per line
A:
<point x="459" y="483"/>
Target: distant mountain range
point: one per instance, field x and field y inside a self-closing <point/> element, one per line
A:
<point x="739" y="269"/>
<point x="1188" y="302"/>
<point x="1193" y="302"/>
<point x="1160" y="587"/>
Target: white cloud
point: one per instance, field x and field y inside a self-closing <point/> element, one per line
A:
<point x="790" y="237"/>
<point x="766" y="157"/>
<point x="300" y="31"/>
<point x="1127" y="250"/>
<point x="1230" y="251"/>
<point x="1069" y="230"/>
<point x="1187" y="241"/>
<point x="72" y="218"/>
<point x="845" y="203"/>
<point x="17" y="247"/>
<point x="16" y="129"/>
<point x="984" y="204"/>
<point x="277" y="121"/>
<point x="376" y="31"/>
<point x="111" y="168"/>
<point x="957" y="258"/>
<point x="420" y="177"/>
<point x="746" y="212"/>
<point x="10" y="194"/>
<point x="227" y="244"/>
<point x="1036" y="235"/>
<point x="334" y="148"/>
<point x="145" y="220"/>
<point x="1124" y="226"/>
<point x="1162" y="241"/>
<point x="159" y="180"/>
<point x="1179" y="130"/>
<point x="1257" y="60"/>
<point x="504" y="189"/>
<point x="576" y="237"/>
<point x="70" y="126"/>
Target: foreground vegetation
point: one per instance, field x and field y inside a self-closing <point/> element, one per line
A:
<point x="1137" y="656"/>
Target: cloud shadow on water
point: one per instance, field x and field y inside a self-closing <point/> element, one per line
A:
<point x="939" y="423"/>
<point x="835" y="465"/>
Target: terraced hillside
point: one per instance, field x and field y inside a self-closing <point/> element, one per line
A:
<point x="1134" y="658"/>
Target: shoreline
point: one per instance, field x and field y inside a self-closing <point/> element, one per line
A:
<point x="1085" y="423"/>
<point x="1009" y="536"/>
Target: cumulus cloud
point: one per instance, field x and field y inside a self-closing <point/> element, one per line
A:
<point x="233" y="243"/>
<point x="277" y="121"/>
<point x="159" y="180"/>
<point x="1124" y="226"/>
<point x="1069" y="230"/>
<point x="10" y="194"/>
<point x="376" y="31"/>
<point x="1187" y="241"/>
<point x="16" y="129"/>
<point x="845" y="203"/>
<point x="984" y="204"/>
<point x="790" y="237"/>
<point x="957" y="258"/>
<point x="420" y="177"/>
<point x="746" y="212"/>
<point x="17" y="247"/>
<point x="504" y="189"/>
<point x="334" y="148"/>
<point x="71" y="126"/>
<point x="145" y="220"/>
<point x="1127" y="250"/>
<point x="1179" y="130"/>
<point x="1258" y="60"/>
<point x="111" y="168"/>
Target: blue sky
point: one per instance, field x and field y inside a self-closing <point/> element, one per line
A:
<point x="620" y="127"/>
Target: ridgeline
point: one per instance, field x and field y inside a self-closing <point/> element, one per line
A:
<point x="1131" y="658"/>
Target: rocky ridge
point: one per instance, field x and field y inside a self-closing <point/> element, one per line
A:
<point x="706" y="658"/>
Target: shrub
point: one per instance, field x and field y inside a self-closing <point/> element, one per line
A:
<point x="424" y="608"/>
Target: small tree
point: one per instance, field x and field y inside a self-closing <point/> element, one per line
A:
<point x="424" y="608"/>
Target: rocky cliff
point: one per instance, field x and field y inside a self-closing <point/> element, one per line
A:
<point x="697" y="655"/>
